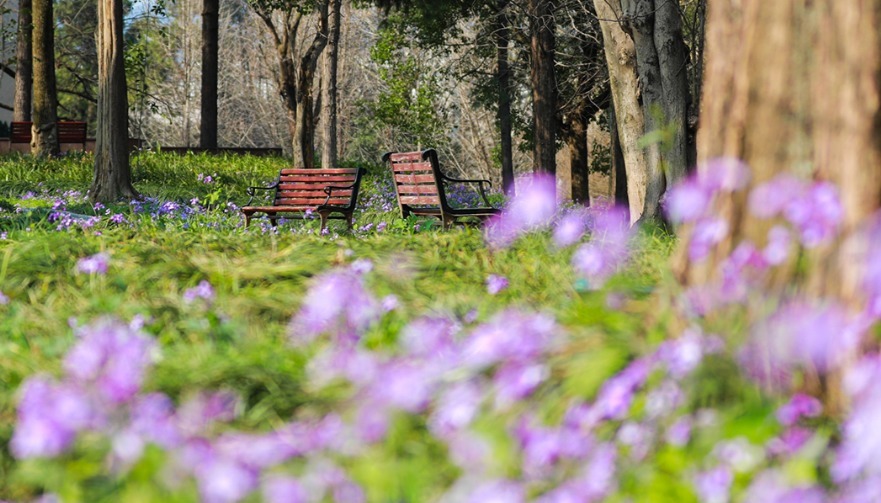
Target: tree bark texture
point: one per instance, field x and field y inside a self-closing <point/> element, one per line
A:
<point x="329" y="90"/>
<point x="210" y="37"/>
<point x="621" y="59"/>
<point x="618" y="170"/>
<point x="794" y="87"/>
<point x="576" y="140"/>
<point x="656" y="30"/>
<point x="544" y="90"/>
<point x="502" y="34"/>
<point x="112" y="174"/>
<point x="24" y="65"/>
<point x="44" y="134"/>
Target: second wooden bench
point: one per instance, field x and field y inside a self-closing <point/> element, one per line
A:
<point x="331" y="193"/>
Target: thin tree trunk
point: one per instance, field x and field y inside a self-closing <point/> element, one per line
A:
<point x="112" y="175"/>
<point x="576" y="139"/>
<point x="329" y="107"/>
<point x="544" y="90"/>
<point x="208" y="121"/>
<point x="621" y="59"/>
<point x="502" y="35"/>
<point x="44" y="134"/>
<point x="24" y="69"/>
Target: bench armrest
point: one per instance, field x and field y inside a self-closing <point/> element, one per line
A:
<point x="251" y="192"/>
<point x="330" y="188"/>
<point x="479" y="183"/>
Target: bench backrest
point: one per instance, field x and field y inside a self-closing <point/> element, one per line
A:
<point x="68" y="132"/>
<point x="21" y="132"/>
<point x="417" y="179"/>
<point x="305" y="187"/>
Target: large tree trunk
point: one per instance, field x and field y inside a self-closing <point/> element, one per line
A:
<point x="544" y="90"/>
<point x="24" y="65"/>
<point x="656" y="30"/>
<point x="502" y="35"/>
<point x="112" y="175"/>
<point x="618" y="171"/>
<point x="208" y="122"/>
<point x="44" y="134"/>
<point x="330" y="63"/>
<point x="621" y="59"/>
<point x="794" y="87"/>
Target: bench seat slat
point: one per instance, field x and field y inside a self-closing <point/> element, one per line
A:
<point x="314" y="201"/>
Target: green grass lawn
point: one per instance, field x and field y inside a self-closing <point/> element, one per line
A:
<point x="189" y="231"/>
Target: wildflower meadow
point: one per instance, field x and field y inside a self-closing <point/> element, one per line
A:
<point x="158" y="350"/>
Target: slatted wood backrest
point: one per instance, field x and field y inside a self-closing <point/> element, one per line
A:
<point x="68" y="132"/>
<point x="305" y="187"/>
<point x="415" y="179"/>
<point x="71" y="132"/>
<point x="21" y="132"/>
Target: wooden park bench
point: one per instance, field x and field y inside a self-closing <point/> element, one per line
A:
<point x="299" y="193"/>
<point x="69" y="132"/>
<point x="419" y="184"/>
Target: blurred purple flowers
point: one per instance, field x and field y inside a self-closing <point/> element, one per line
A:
<point x="94" y="264"/>
<point x="203" y="291"/>
<point x="496" y="283"/>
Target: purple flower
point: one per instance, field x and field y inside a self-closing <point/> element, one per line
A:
<point x="3" y="299"/>
<point x="224" y="481"/>
<point x="799" y="406"/>
<point x="724" y="174"/>
<point x="817" y="214"/>
<point x="498" y="491"/>
<point x="456" y="408"/>
<point x="201" y="411"/>
<point x="714" y="486"/>
<point x="95" y="264"/>
<point x="430" y="337"/>
<point x="118" y="218"/>
<point x="615" y="396"/>
<point x="152" y="417"/>
<point x="770" y="198"/>
<point x="390" y="303"/>
<point x="515" y="381"/>
<point x="860" y="449"/>
<point x="803" y="333"/>
<point x="203" y="290"/>
<point x="707" y="233"/>
<point x="570" y="229"/>
<point x="337" y="303"/>
<point x="496" y="283"/>
<point x="112" y="355"/>
<point x="688" y="201"/>
<point x="790" y="441"/>
<point x="509" y="335"/>
<point x="779" y="243"/>
<point x="49" y="416"/>
<point x="358" y="366"/>
<point x="772" y="485"/>
<point x="533" y="207"/>
<point x="281" y="489"/>
<point x="592" y="484"/>
<point x="683" y="354"/>
<point x="679" y="433"/>
<point x="404" y="385"/>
